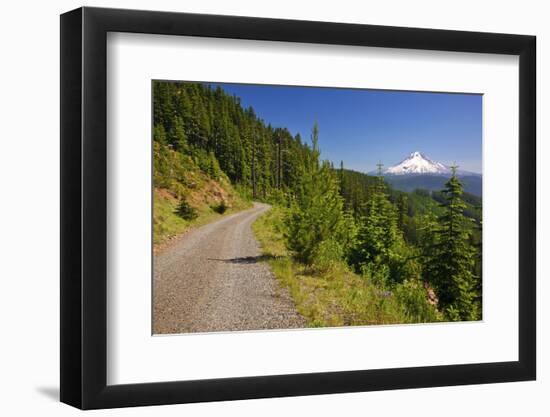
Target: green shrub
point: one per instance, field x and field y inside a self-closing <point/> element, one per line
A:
<point x="328" y="254"/>
<point x="378" y="274"/>
<point x="185" y="211"/>
<point x="413" y="297"/>
<point x="277" y="197"/>
<point x="220" y="208"/>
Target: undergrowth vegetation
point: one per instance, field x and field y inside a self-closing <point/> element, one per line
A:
<point x="328" y="293"/>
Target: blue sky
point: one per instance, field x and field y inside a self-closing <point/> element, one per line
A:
<point x="362" y="127"/>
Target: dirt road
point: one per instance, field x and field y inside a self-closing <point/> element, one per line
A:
<point x="212" y="280"/>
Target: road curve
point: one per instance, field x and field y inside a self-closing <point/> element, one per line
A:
<point x="213" y="279"/>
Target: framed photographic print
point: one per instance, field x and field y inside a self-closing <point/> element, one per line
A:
<point x="257" y="208"/>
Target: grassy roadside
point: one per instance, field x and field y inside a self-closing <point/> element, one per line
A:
<point x="167" y="224"/>
<point x="336" y="296"/>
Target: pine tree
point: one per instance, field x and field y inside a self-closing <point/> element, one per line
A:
<point x="177" y="136"/>
<point x="163" y="106"/>
<point x="450" y="259"/>
<point x="316" y="221"/>
<point x="377" y="232"/>
<point x="402" y="209"/>
<point x="159" y="134"/>
<point x="478" y="245"/>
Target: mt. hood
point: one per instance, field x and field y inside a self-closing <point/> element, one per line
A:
<point x="417" y="163"/>
<point x="418" y="171"/>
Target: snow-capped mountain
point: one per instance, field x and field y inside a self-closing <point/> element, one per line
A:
<point x="418" y="171"/>
<point x="417" y="163"/>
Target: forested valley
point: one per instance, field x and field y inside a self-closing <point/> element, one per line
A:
<point x="351" y="249"/>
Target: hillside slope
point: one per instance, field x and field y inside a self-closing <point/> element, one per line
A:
<point x="185" y="195"/>
<point x="433" y="182"/>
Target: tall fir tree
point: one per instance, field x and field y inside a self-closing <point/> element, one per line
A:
<point x="316" y="220"/>
<point x="377" y="231"/>
<point x="450" y="258"/>
<point x="402" y="209"/>
<point x="178" y="137"/>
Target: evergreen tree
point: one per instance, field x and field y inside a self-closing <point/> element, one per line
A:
<point x="477" y="243"/>
<point x="316" y="221"/>
<point x="402" y="209"/>
<point x="178" y="138"/>
<point x="159" y="134"/>
<point x="450" y="258"/>
<point x="377" y="231"/>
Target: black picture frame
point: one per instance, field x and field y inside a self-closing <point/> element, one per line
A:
<point x="84" y="207"/>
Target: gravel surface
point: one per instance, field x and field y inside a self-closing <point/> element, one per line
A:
<point x="213" y="279"/>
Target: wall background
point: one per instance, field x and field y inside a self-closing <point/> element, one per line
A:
<point x="29" y="213"/>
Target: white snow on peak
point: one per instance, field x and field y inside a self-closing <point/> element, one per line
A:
<point x="417" y="163"/>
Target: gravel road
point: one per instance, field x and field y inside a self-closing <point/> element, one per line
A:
<point x="213" y="279"/>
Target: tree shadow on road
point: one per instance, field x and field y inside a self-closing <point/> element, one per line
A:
<point x="245" y="259"/>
